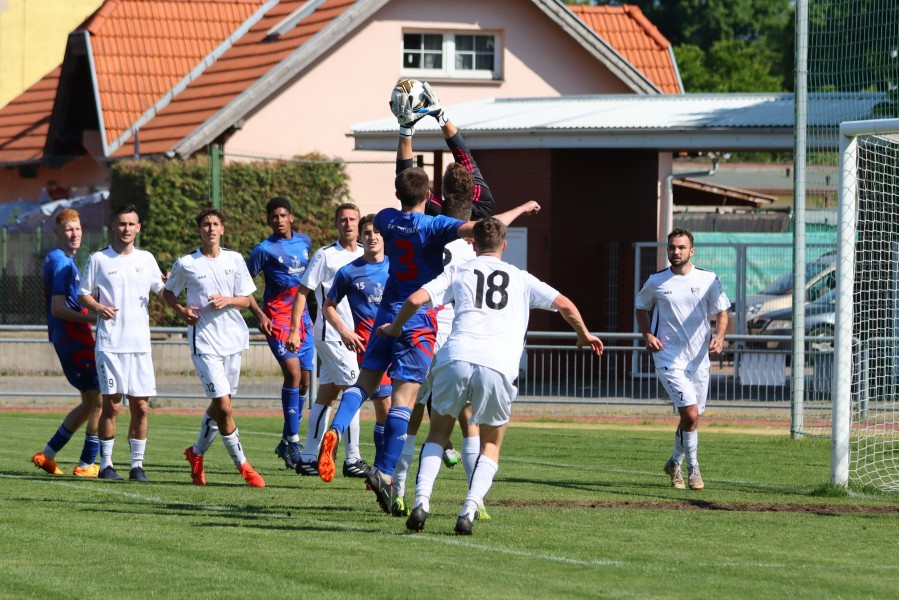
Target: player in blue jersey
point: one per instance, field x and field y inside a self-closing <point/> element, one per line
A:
<point x="69" y="329"/>
<point x="282" y="259"/>
<point x="362" y="283"/>
<point x="413" y="243"/>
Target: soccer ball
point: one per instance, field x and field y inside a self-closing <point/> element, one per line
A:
<point x="409" y="101"/>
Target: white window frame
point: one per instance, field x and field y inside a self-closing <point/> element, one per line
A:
<point x="448" y="50"/>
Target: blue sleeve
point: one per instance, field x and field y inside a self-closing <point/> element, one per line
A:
<point x="339" y="287"/>
<point x="444" y="229"/>
<point x="256" y="260"/>
<point x="60" y="279"/>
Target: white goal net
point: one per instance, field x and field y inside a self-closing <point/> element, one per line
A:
<point x="866" y="351"/>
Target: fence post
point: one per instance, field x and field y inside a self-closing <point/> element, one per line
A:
<point x="215" y="174"/>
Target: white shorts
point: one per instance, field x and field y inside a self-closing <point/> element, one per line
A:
<point x="129" y="373"/>
<point x="686" y="388"/>
<point x="488" y="391"/>
<point x="219" y="374"/>
<point x="339" y="365"/>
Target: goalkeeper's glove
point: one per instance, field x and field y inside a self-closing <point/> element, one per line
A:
<point x="434" y="108"/>
<point x="406" y="131"/>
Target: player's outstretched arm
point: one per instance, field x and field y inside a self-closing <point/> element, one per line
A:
<point x="410" y="307"/>
<point x="653" y="344"/>
<point x="528" y="208"/>
<point x="572" y="316"/>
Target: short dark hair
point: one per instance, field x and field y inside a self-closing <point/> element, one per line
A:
<point x="411" y="187"/>
<point x="124" y="210"/>
<point x="346" y="206"/>
<point x="209" y="210"/>
<point x="276" y="203"/>
<point x="367" y="220"/>
<point x="678" y="232"/>
<point x="489" y="234"/>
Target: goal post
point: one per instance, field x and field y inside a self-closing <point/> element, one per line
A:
<point x="865" y="420"/>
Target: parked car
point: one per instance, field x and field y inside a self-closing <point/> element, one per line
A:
<point x="820" y="278"/>
<point x="820" y="316"/>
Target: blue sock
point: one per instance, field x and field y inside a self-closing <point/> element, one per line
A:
<point x="379" y="440"/>
<point x="60" y="439"/>
<point x="290" y="405"/>
<point x="90" y="450"/>
<point x="395" y="429"/>
<point x="350" y="403"/>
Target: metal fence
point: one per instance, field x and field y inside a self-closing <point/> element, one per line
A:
<point x="748" y="375"/>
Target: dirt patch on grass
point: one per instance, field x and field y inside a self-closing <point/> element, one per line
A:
<point x="818" y="509"/>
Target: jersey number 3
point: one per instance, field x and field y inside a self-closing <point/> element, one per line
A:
<point x="496" y="284"/>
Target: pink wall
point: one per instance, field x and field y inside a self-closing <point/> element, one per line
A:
<point x="353" y="84"/>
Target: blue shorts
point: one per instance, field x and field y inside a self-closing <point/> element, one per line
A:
<point x="78" y="363"/>
<point x="408" y="357"/>
<point x="306" y="352"/>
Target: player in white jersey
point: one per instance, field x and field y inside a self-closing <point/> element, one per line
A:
<point x="479" y="362"/>
<point x="339" y="367"/>
<point x="218" y="285"/>
<point x="673" y="310"/>
<point x="117" y="284"/>
<point x="456" y="203"/>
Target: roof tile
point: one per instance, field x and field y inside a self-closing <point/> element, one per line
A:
<point x="640" y="42"/>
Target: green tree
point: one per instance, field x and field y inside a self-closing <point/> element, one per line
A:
<point x="758" y="33"/>
<point x="729" y="66"/>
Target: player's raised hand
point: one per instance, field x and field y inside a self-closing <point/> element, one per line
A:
<point x="531" y="207"/>
<point x="432" y="102"/>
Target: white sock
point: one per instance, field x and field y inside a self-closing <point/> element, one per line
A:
<point x="351" y="440"/>
<point x="106" y="453"/>
<point x="232" y="445"/>
<point x="691" y="445"/>
<point x="138" y="447"/>
<point x="402" y="467"/>
<point x="209" y="429"/>
<point x="317" y="425"/>
<point x="428" y="468"/>
<point x="471" y="449"/>
<point x="678" y="455"/>
<point x="481" y="480"/>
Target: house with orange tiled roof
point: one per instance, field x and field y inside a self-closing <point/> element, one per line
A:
<point x="277" y="78"/>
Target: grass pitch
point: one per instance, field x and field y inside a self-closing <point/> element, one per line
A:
<point x="577" y="512"/>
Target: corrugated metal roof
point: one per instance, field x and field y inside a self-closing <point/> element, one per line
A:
<point x="703" y="121"/>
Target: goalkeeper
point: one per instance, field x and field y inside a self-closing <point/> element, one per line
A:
<point x="466" y="196"/>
